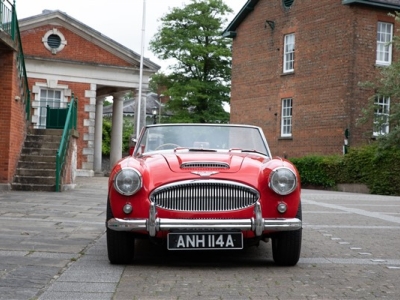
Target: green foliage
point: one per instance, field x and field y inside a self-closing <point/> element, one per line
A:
<point x="107" y="103"/>
<point x="199" y="82"/>
<point x="315" y="170"/>
<point x="126" y="133"/>
<point x="106" y="136"/>
<point x="386" y="85"/>
<point x="159" y="83"/>
<point x="377" y="168"/>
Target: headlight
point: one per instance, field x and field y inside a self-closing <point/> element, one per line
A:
<point x="282" y="181"/>
<point x="128" y="181"/>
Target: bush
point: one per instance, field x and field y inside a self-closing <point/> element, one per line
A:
<point x="315" y="170"/>
<point x="378" y="169"/>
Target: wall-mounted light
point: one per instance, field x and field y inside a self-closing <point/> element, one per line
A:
<point x="270" y="23"/>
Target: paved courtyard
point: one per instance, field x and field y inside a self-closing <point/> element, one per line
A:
<point x="53" y="247"/>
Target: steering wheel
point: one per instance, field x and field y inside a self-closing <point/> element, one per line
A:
<point x="167" y="146"/>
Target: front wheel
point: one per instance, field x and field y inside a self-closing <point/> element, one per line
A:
<point x="286" y="246"/>
<point x="120" y="245"/>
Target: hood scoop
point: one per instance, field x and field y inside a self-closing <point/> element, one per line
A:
<point x="204" y="165"/>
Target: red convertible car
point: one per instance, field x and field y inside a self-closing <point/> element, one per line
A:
<point x="204" y="187"/>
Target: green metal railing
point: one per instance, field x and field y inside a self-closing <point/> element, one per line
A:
<point x="70" y="124"/>
<point x="9" y="25"/>
<point x="26" y="94"/>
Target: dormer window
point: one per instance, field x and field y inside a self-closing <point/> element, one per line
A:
<point x="54" y="41"/>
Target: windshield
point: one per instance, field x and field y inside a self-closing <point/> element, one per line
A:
<point x="204" y="137"/>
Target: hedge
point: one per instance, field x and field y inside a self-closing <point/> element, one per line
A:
<point x="378" y="169"/>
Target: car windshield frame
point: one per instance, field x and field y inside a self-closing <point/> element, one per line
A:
<point x="190" y="137"/>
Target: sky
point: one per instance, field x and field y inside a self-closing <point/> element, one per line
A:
<point x="120" y="20"/>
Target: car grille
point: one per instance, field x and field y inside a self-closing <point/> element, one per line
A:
<point x="204" y="195"/>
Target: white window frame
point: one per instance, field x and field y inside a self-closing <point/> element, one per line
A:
<point x="286" y="117"/>
<point x="52" y="101"/>
<point x="384" y="38"/>
<point x="288" y="53"/>
<point x="381" y="116"/>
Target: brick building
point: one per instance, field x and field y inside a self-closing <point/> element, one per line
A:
<point x="65" y="56"/>
<point x="297" y="65"/>
<point x="62" y="57"/>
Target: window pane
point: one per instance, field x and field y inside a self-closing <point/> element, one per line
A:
<point x="288" y="57"/>
<point x="383" y="48"/>
<point x="381" y="116"/>
<point x="286" y="122"/>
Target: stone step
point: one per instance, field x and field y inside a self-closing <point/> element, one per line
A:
<point x="39" y="151"/>
<point x="42" y="144"/>
<point x="34" y="187"/>
<point x="43" y="138"/>
<point x="41" y="180"/>
<point x="46" y="132"/>
<point x="37" y="158"/>
<point x="28" y="164"/>
<point x="35" y="172"/>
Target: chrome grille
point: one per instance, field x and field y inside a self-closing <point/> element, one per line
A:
<point x="204" y="195"/>
<point x="206" y="165"/>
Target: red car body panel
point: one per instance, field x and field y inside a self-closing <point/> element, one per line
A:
<point x="158" y="169"/>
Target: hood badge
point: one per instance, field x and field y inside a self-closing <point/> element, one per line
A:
<point x="204" y="173"/>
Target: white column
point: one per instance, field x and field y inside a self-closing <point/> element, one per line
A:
<point x="116" y="128"/>
<point x="98" y="135"/>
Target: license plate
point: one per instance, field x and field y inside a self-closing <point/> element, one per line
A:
<point x="205" y="241"/>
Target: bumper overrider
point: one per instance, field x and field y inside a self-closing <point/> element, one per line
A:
<point x="154" y="224"/>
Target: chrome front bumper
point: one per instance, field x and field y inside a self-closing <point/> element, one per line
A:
<point x="154" y="224"/>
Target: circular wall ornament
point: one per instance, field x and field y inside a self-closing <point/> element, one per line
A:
<point x="54" y="41"/>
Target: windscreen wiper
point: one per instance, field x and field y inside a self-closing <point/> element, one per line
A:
<point x="248" y="150"/>
<point x="202" y="150"/>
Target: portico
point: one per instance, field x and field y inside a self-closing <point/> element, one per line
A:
<point x="88" y="65"/>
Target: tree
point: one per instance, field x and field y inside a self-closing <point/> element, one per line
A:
<point x="199" y="83"/>
<point x="386" y="85"/>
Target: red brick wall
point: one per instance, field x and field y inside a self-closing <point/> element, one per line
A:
<point x="12" y="117"/>
<point x="334" y="50"/>
<point x="77" y="48"/>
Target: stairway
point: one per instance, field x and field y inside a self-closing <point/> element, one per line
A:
<point x="36" y="169"/>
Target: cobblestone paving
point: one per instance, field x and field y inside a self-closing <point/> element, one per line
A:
<point x="350" y="251"/>
<point x="52" y="246"/>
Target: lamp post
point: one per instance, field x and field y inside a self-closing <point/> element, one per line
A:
<point x="154" y="113"/>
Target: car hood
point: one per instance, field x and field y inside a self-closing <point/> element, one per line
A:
<point x="208" y="162"/>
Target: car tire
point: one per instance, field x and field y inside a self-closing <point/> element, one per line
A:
<point x="120" y="245"/>
<point x="286" y="245"/>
